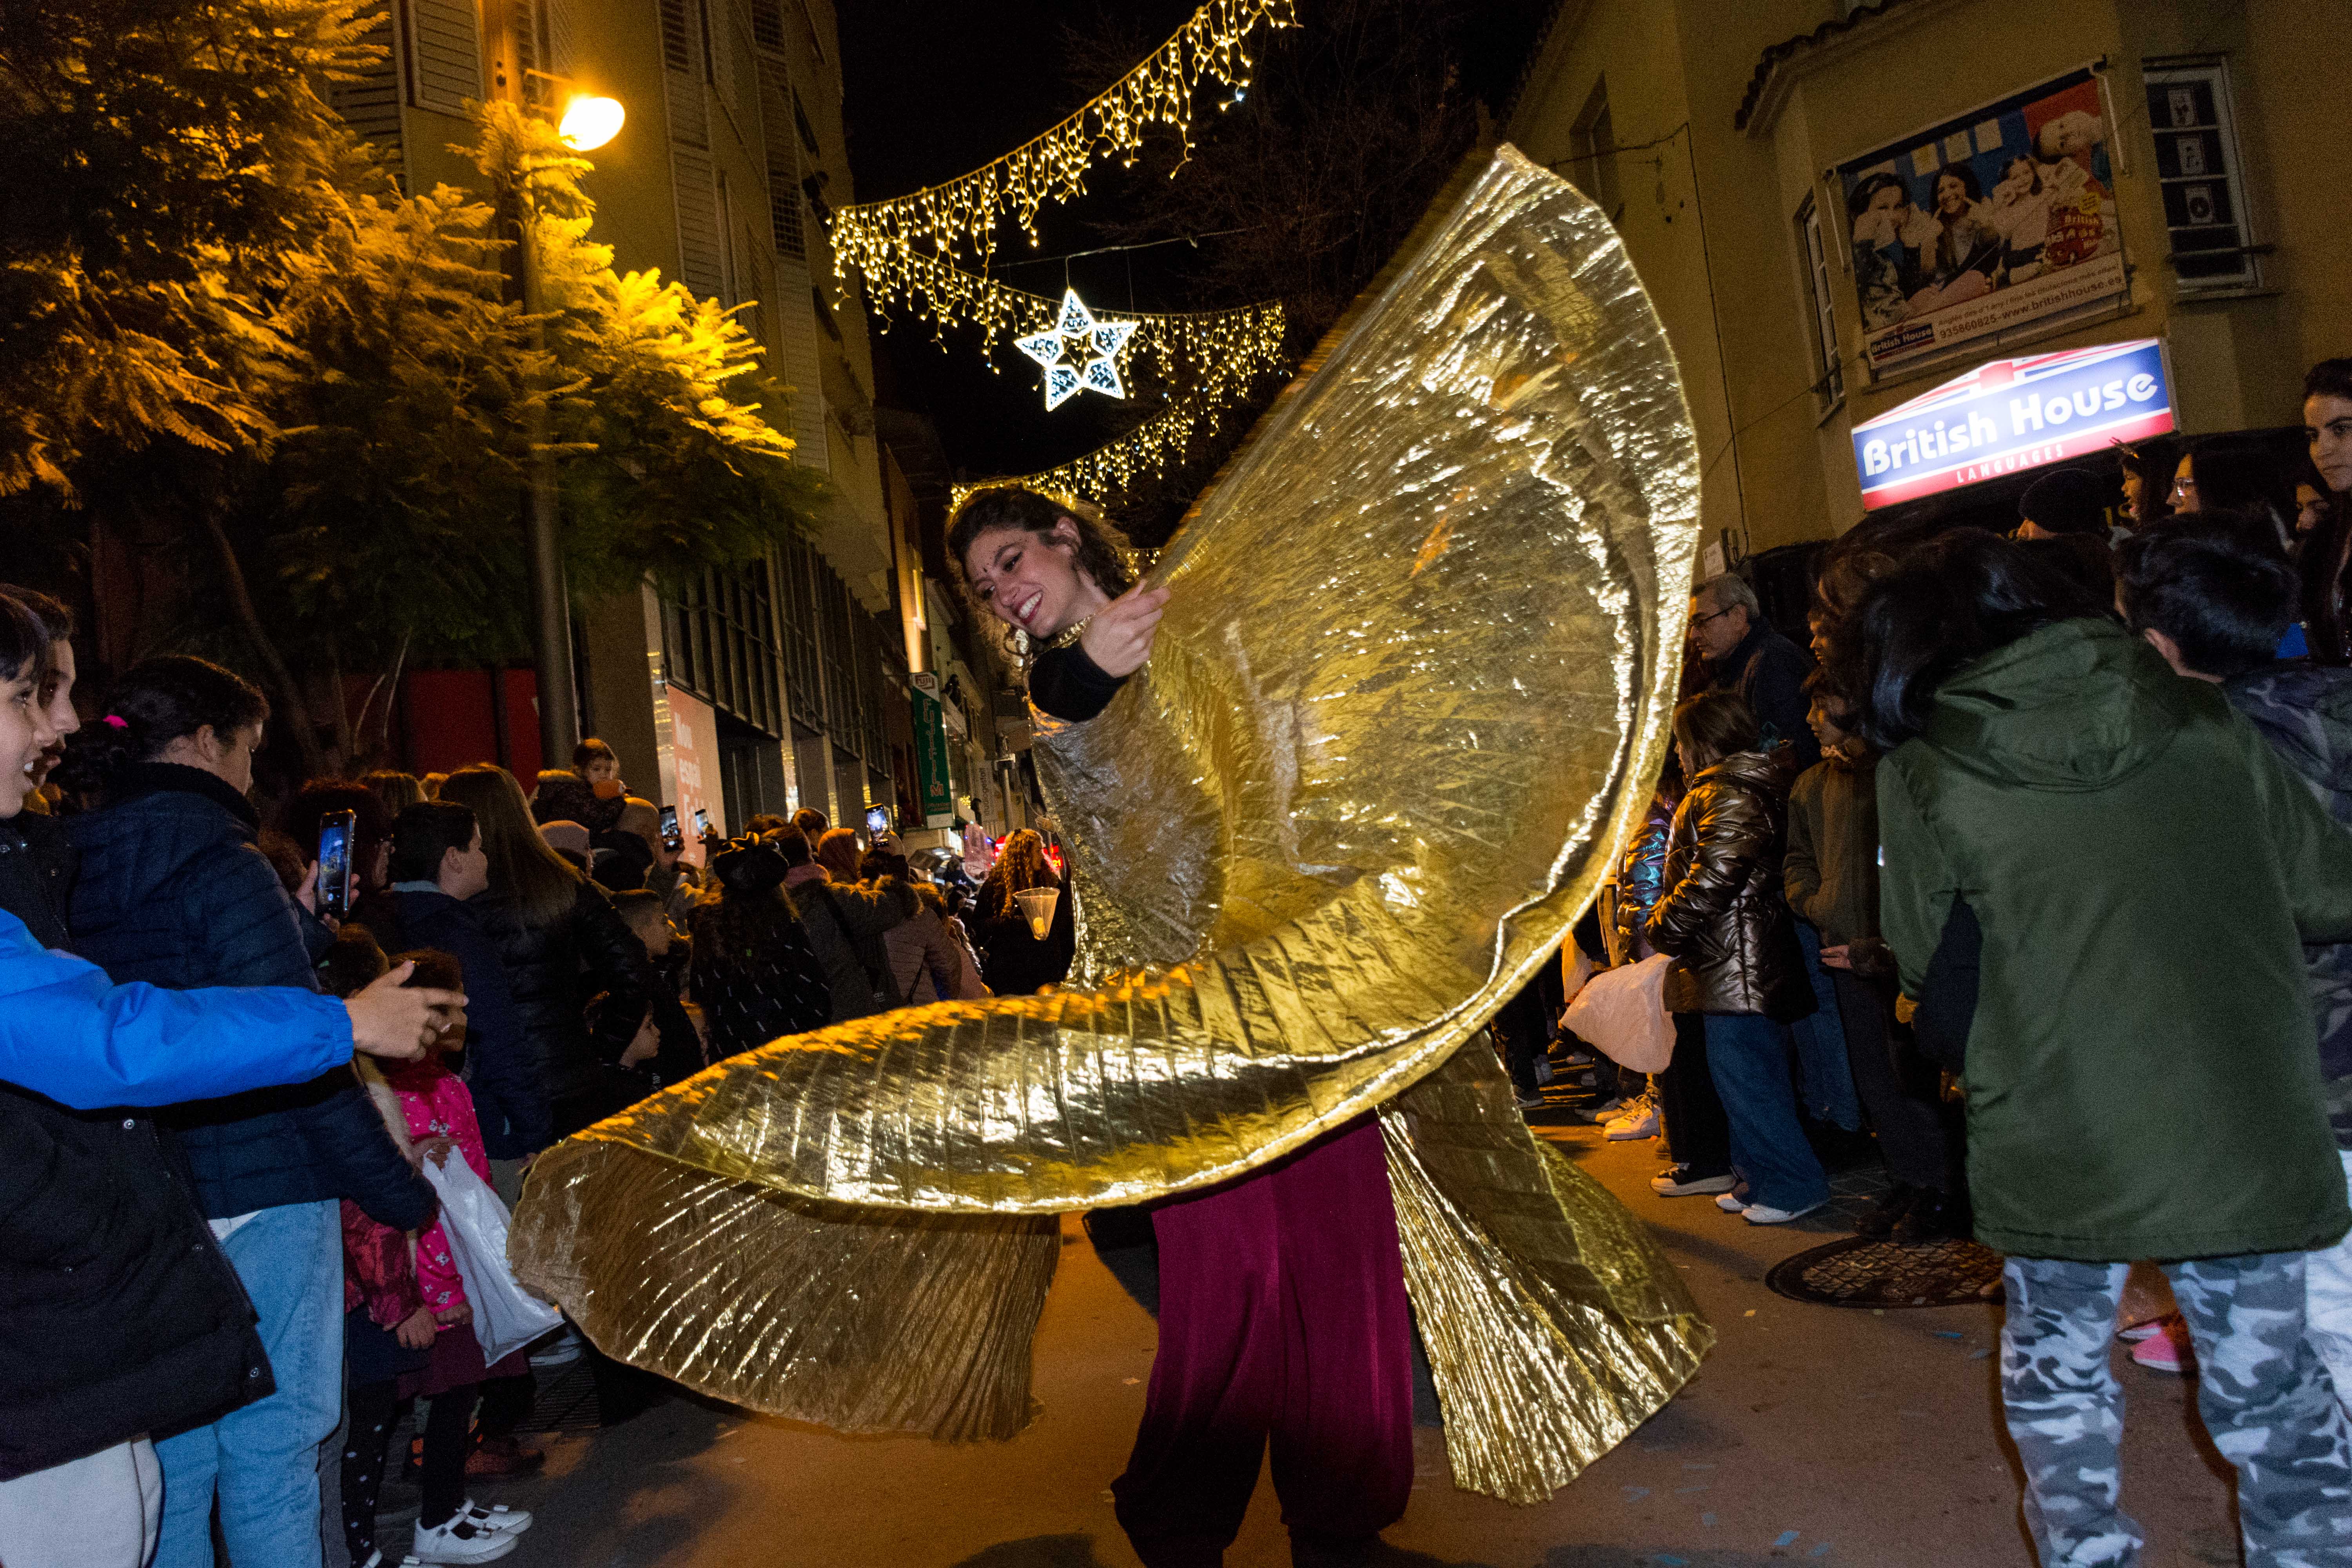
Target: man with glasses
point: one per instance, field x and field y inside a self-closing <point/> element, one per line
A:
<point x="1746" y="656"/>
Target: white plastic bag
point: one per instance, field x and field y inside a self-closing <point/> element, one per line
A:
<point x="506" y="1316"/>
<point x="1622" y="1014"/>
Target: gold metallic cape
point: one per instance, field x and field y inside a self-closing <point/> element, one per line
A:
<point x="1409" y="695"/>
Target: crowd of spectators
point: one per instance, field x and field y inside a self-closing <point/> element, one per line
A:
<point x="2042" y="853"/>
<point x="2029" y="874"/>
<point x="273" y="1252"/>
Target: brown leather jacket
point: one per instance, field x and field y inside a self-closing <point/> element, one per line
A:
<point x="1722" y="914"/>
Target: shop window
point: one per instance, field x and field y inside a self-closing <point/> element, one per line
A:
<point x="2197" y="169"/>
<point x="1812" y="243"/>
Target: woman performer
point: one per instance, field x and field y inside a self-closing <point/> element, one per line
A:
<point x="1282" y="1297"/>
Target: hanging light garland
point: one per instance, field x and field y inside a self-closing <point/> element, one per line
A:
<point x="886" y="242"/>
<point x="1147" y="449"/>
<point x="1220" y="352"/>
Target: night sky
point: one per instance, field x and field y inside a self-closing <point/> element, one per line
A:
<point x="936" y="88"/>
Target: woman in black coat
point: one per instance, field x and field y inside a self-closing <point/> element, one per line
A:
<point x="1013" y="960"/>
<point x="563" y="944"/>
<point x="754" y="973"/>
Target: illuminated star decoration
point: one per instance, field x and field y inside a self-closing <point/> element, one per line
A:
<point x="1079" y="354"/>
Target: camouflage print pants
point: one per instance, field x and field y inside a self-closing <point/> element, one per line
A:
<point x="2266" y="1401"/>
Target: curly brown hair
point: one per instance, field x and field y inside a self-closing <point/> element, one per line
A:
<point x="1104" y="553"/>
<point x="1021" y="865"/>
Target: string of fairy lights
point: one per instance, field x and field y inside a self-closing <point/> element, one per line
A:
<point x="1147" y="449"/>
<point x="1220" y="352"/>
<point x="911" y="252"/>
<point x="884" y="242"/>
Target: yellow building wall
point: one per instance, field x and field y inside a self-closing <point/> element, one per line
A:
<point x="1780" y="465"/>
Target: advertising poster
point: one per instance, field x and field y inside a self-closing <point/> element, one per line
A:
<point x="2013" y="413"/>
<point x="694" y="744"/>
<point x="1994" y="219"/>
<point x="931" y="769"/>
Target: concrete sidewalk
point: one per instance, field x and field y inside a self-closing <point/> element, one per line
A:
<point x="1813" y="1436"/>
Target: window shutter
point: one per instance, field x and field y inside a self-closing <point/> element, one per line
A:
<point x="702" y="259"/>
<point x="371" y="105"/>
<point x="689" y="112"/>
<point x="797" y="366"/>
<point x="444" y="56"/>
<point x="558" y="29"/>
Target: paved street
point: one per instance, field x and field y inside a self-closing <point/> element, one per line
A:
<point x="1813" y="1436"/>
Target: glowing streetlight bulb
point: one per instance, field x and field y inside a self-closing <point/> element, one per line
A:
<point x="590" y="122"/>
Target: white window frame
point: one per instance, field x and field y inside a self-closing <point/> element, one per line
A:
<point x="2213" y="74"/>
<point x="1815" y="242"/>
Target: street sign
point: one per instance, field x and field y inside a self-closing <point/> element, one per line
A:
<point x="2013" y="413"/>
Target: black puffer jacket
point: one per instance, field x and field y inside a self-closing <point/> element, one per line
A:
<point x="122" y="1315"/>
<point x="552" y="972"/>
<point x="172" y="892"/>
<point x="1721" y="912"/>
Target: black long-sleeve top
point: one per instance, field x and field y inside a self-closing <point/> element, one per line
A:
<point x="1067" y="684"/>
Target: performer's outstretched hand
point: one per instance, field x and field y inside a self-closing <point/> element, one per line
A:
<point x="1118" y="639"/>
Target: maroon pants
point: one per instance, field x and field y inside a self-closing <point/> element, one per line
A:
<point x="1282" y="1316"/>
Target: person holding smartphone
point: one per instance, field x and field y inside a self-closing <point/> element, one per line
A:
<point x="171" y="890"/>
<point x="146" y="1329"/>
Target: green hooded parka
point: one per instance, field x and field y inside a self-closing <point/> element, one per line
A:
<point x="2143" y="1079"/>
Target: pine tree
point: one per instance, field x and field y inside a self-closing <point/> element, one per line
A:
<point x="223" y="331"/>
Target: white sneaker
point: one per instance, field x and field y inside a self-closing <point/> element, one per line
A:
<point x="1765" y="1214"/>
<point x="1731" y="1203"/>
<point x="1639" y="1121"/>
<point x="459" y="1540"/>
<point x="497" y="1516"/>
<point x="560" y="1348"/>
<point x="1676" y="1181"/>
<point x="1528" y="1101"/>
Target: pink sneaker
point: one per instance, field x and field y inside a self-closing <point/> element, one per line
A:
<point x="2167" y="1350"/>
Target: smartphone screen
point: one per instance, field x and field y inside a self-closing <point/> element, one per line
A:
<point x="670" y="828"/>
<point x="701" y="823"/>
<point x="877" y="819"/>
<point x="335" y="862"/>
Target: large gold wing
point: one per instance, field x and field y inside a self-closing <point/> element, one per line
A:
<point x="1409" y="695"/>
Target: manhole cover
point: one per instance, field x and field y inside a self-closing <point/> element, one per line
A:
<point x="1855" y="1272"/>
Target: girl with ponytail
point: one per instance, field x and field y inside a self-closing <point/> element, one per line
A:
<point x="178" y="710"/>
<point x="172" y="890"/>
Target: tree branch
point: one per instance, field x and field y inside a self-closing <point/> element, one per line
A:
<point x="248" y="620"/>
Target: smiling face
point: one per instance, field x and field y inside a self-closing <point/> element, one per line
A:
<point x="1890" y="199"/>
<point x="1951" y="196"/>
<point x="25" y="733"/>
<point x="1032" y="581"/>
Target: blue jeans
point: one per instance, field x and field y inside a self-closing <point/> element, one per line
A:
<point x="1821" y="1061"/>
<point x="1747" y="1054"/>
<point x="263" y="1459"/>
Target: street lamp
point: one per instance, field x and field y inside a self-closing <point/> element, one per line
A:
<point x="590" y="122"/>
